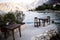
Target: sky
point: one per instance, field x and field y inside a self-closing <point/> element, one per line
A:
<point x="29" y="4"/>
<point x="24" y="1"/>
<point x="25" y="4"/>
<point x="18" y="1"/>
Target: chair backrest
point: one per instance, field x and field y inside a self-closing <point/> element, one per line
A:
<point x="35" y="19"/>
<point x="48" y="17"/>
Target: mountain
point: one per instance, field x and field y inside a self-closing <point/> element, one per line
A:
<point x="12" y="6"/>
<point x="8" y="6"/>
<point x="52" y="1"/>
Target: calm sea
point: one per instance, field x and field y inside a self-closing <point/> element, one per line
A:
<point x="29" y="17"/>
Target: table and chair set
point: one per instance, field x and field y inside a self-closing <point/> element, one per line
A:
<point x="12" y="27"/>
<point x="37" y="21"/>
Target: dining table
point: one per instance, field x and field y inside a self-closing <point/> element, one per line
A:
<point x="11" y="28"/>
<point x="43" y="21"/>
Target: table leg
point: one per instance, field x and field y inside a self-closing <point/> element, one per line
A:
<point x="5" y="36"/>
<point x="19" y="31"/>
<point x="43" y="23"/>
<point x="49" y="22"/>
<point x="39" y="23"/>
<point x="13" y="34"/>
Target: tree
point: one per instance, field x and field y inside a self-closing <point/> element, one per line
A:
<point x="41" y="7"/>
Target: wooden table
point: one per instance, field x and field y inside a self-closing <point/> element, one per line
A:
<point x="12" y="28"/>
<point x="43" y="20"/>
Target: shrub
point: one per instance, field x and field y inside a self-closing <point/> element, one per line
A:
<point x="10" y="17"/>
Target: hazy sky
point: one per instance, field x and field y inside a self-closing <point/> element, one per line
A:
<point x="18" y="1"/>
<point x="23" y="1"/>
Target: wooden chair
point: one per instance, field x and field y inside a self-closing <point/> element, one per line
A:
<point x="36" y="23"/>
<point x="48" y="19"/>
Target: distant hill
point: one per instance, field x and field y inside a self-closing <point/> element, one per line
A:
<point x="49" y="7"/>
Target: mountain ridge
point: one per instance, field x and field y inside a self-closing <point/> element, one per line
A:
<point x="9" y="6"/>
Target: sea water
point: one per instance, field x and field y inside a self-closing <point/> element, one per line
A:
<point x="29" y="17"/>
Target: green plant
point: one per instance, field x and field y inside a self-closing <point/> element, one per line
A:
<point x="0" y="17"/>
<point x="1" y="20"/>
<point x="20" y="17"/>
<point x="10" y="17"/>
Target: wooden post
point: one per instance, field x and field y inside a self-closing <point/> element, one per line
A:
<point x="53" y="21"/>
